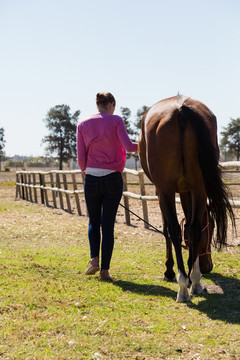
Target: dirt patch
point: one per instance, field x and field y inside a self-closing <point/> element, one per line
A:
<point x="154" y="214"/>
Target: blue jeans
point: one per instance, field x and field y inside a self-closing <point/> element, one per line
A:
<point x="102" y="195"/>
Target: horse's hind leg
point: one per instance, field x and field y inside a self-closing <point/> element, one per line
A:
<point x="186" y="202"/>
<point x="195" y="236"/>
<point x="167" y="204"/>
<point x="169" y="274"/>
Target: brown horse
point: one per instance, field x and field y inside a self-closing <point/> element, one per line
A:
<point x="179" y="153"/>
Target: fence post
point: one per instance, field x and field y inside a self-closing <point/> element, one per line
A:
<point x="22" y="186"/>
<point x="144" y="202"/>
<point x="58" y="182"/>
<point x="67" y="195"/>
<point x="41" y="184"/>
<point x="53" y="192"/>
<point x="34" y="189"/>
<point x="30" y="189"/>
<point x="125" y="199"/>
<point x="45" y="190"/>
<point x="25" y="183"/>
<point x="83" y="180"/>
<point x="76" y="195"/>
<point x="18" y="186"/>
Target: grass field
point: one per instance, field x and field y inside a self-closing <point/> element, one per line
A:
<point x="50" y="310"/>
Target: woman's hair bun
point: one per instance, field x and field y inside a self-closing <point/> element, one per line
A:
<point x="103" y="98"/>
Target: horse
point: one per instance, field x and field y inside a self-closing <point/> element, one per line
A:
<point x="179" y="153"/>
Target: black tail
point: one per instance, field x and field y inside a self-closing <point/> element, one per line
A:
<point x="216" y="190"/>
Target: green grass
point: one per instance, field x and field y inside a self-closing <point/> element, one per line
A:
<point x="8" y="183"/>
<point x="50" y="310"/>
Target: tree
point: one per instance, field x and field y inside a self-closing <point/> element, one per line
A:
<point x="62" y="133"/>
<point x="2" y="145"/>
<point x="230" y="142"/>
<point x="2" y="139"/>
<point x="140" y="114"/>
<point x="126" y="113"/>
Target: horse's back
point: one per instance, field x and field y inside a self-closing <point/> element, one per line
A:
<point x="171" y="146"/>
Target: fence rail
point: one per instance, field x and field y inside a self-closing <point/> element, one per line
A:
<point x="36" y="186"/>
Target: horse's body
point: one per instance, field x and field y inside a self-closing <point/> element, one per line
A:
<point x="179" y="153"/>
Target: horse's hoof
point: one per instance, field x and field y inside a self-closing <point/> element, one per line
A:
<point x="183" y="299"/>
<point x="183" y="296"/>
<point x="197" y="290"/>
<point x="169" y="277"/>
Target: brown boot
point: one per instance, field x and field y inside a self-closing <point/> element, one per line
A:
<point x="93" y="266"/>
<point x="105" y="276"/>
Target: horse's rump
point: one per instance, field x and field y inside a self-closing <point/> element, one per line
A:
<point x="171" y="146"/>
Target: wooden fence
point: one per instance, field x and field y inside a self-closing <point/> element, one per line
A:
<point x="55" y="186"/>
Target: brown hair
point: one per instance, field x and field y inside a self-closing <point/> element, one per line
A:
<point x="104" y="98"/>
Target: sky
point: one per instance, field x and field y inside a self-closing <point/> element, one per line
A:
<point x="55" y="52"/>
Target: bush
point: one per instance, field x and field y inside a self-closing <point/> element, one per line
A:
<point x="36" y="164"/>
<point x="7" y="168"/>
<point x="15" y="163"/>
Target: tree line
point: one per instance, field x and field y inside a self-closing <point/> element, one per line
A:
<point x="61" y="138"/>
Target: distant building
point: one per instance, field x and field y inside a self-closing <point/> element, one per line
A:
<point x="20" y="158"/>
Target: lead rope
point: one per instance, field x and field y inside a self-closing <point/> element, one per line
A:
<point x="181" y="224"/>
<point x="142" y="219"/>
<point x="207" y="252"/>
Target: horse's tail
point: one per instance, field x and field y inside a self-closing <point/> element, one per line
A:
<point x="218" y="195"/>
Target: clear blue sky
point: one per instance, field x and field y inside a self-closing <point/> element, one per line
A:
<point x="63" y="52"/>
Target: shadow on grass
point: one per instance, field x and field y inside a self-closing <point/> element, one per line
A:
<point x="143" y="289"/>
<point x="221" y="303"/>
<point x="222" y="299"/>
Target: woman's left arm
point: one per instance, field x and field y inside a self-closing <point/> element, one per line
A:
<point x="81" y="151"/>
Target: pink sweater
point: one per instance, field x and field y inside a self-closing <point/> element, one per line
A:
<point x="101" y="142"/>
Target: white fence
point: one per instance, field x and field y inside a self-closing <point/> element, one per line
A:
<point x="58" y="188"/>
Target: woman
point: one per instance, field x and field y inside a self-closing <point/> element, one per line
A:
<point x="101" y="143"/>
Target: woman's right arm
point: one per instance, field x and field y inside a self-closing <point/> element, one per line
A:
<point x="124" y="138"/>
